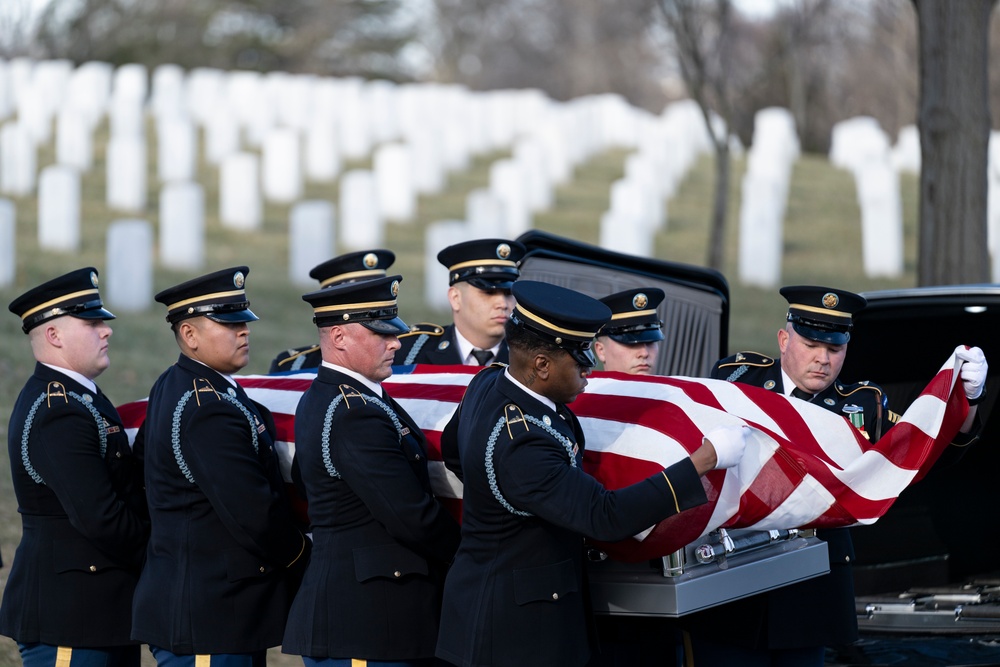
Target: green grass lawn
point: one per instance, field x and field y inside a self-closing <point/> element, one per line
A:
<point x="822" y="246"/>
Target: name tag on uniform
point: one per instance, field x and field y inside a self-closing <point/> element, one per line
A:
<point x="404" y="432"/>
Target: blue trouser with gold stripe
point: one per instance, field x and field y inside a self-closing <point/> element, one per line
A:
<point x="165" y="658"/>
<point x="47" y="655"/>
<point x="356" y="662"/>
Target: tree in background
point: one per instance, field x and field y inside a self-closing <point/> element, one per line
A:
<point x="954" y="124"/>
<point x="357" y="38"/>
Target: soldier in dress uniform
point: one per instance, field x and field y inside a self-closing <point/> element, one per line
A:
<point x="347" y="268"/>
<point x="630" y="342"/>
<point x="372" y="591"/>
<point x="790" y="626"/>
<point x="480" y="275"/>
<point x="515" y="595"/>
<point x="224" y="554"/>
<point x="68" y="599"/>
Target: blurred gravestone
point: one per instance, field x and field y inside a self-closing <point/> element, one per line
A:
<point x="312" y="239"/>
<point x="182" y="225"/>
<point x="440" y="235"/>
<point x="355" y="133"/>
<point x="322" y="155"/>
<point x="222" y="136"/>
<point x="129" y="283"/>
<point x="8" y="242"/>
<point x="239" y="192"/>
<point x="74" y="147"/>
<point x="282" y="170"/>
<point x="59" y="209"/>
<point x="881" y="219"/>
<point x="177" y="154"/>
<point x="507" y="183"/>
<point x="361" y="224"/>
<point x="397" y="199"/>
<point x="531" y="159"/>
<point x="126" y="174"/>
<point x="17" y="161"/>
<point x="168" y="96"/>
<point x="906" y="152"/>
<point x="484" y="213"/>
<point x="6" y="95"/>
<point x="426" y="160"/>
<point x="621" y="233"/>
<point x="993" y="203"/>
<point x="764" y="197"/>
<point x="90" y="91"/>
<point x="860" y="146"/>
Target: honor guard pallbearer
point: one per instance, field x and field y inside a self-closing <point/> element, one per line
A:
<point x="792" y="625"/>
<point x="630" y="342"/>
<point x="224" y="554"/>
<point x="372" y="591"/>
<point x="480" y="275"/>
<point x="515" y="595"/>
<point x="68" y="598"/>
<point x="348" y="268"/>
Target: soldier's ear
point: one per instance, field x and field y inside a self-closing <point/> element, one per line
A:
<point x="542" y="364"/>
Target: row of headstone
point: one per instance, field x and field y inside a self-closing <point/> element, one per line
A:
<point x="666" y="148"/>
<point x="862" y="147"/>
<point x="764" y="196"/>
<point x="8" y="242"/>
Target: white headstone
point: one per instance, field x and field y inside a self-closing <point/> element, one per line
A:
<point x="361" y="224"/>
<point x="74" y="146"/>
<point x="529" y="154"/>
<point x="240" y="204"/>
<point x="440" y="235"/>
<point x="484" y="213"/>
<point x="6" y="94"/>
<point x="507" y="182"/>
<point x="222" y="135"/>
<point x="427" y="161"/>
<point x="881" y="219"/>
<point x="17" y="161"/>
<point x="206" y="93"/>
<point x="126" y="174"/>
<point x="130" y="82"/>
<point x="34" y="115"/>
<point x="177" y="154"/>
<point x="126" y="118"/>
<point x="993" y="202"/>
<point x="761" y="227"/>
<point x="906" y="153"/>
<point x="765" y="195"/>
<point x="90" y="91"/>
<point x="397" y="198"/>
<point x="59" y="209"/>
<point x="620" y="233"/>
<point x="8" y="242"/>
<point x="857" y="141"/>
<point x="282" y="166"/>
<point x="128" y="286"/>
<point x="355" y="128"/>
<point x="312" y="239"/>
<point x="322" y="159"/>
<point x="168" y="96"/>
<point x="182" y="225"/>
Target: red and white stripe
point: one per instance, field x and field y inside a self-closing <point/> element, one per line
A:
<point x="804" y="466"/>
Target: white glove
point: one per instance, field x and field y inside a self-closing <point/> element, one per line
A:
<point x="729" y="442"/>
<point x="973" y="371"/>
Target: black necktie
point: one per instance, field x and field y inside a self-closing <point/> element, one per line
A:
<point x="798" y="393"/>
<point x="482" y="356"/>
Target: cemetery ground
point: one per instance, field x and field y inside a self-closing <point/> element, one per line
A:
<point x="822" y="245"/>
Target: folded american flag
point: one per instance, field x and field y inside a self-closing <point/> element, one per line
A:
<point x="804" y="466"/>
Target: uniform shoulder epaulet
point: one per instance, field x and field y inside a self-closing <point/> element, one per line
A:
<point x="425" y="328"/>
<point x="55" y="390"/>
<point x="204" y="391"/>
<point x="350" y="393"/>
<point x="747" y="359"/>
<point x="516" y="423"/>
<point x="295" y="353"/>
